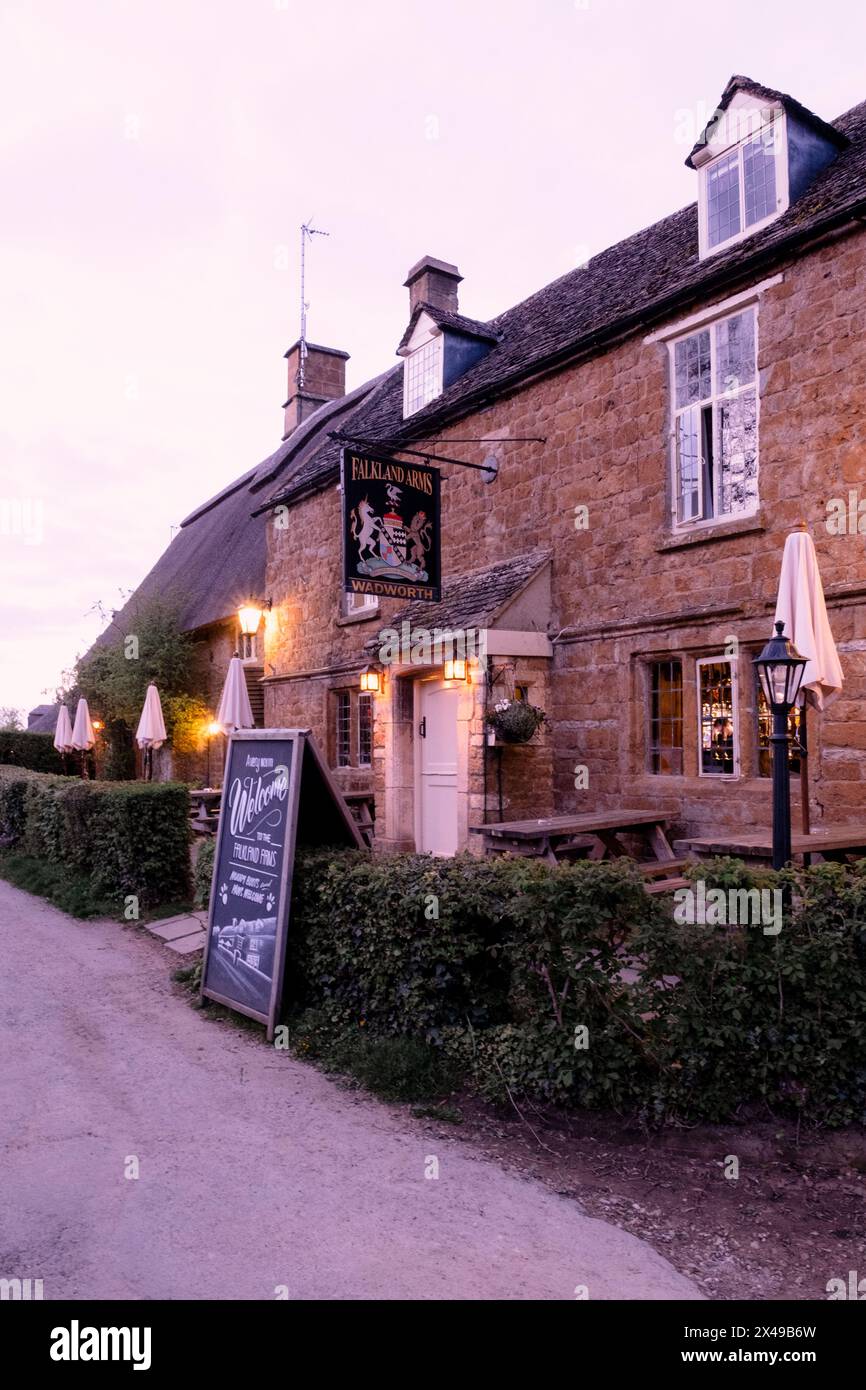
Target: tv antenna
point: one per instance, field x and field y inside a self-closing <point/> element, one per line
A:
<point x="307" y="231"/>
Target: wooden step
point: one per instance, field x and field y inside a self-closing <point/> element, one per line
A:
<point x="652" y="868"/>
<point x="665" y="885"/>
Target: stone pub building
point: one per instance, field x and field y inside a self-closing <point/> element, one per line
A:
<point x="700" y="390"/>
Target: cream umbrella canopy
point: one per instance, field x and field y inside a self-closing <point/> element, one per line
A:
<point x="150" y="733"/>
<point x="63" y="731"/>
<point x="83" y="737"/>
<point x="800" y="606"/>
<point x="234" y="710"/>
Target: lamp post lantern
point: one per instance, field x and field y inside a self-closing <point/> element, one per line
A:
<point x="780" y="670"/>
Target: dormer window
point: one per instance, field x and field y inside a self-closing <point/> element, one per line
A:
<point x="439" y="344"/>
<point x="745" y="187"/>
<point x="422" y="374"/>
<point x="760" y="153"/>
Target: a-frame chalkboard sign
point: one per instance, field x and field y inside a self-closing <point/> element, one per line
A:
<point x="277" y="793"/>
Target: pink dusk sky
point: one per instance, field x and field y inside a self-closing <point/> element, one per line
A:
<point x="158" y="157"/>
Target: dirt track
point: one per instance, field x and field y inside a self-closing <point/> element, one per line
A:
<point x="255" y="1171"/>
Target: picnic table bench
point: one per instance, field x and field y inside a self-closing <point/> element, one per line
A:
<point x="596" y="835"/>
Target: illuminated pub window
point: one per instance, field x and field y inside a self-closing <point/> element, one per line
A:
<point x="765" y="729"/>
<point x="717" y="718"/>
<point x="365" y="730"/>
<point x="666" y="717"/>
<point x="344" y="728"/>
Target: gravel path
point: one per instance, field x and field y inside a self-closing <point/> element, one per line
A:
<point x="255" y="1171"/>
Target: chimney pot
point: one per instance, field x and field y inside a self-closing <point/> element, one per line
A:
<point x="435" y="282"/>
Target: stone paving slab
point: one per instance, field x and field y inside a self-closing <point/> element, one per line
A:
<point x="185" y="945"/>
<point x="170" y="928"/>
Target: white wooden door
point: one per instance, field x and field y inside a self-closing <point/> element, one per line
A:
<point x="437" y="767"/>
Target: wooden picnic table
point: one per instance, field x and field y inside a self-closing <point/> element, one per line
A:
<point x="204" y="808"/>
<point x="597" y="835"/>
<point x="839" y="842"/>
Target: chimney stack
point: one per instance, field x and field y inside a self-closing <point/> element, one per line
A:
<point x="324" y="380"/>
<point x="433" y="282"/>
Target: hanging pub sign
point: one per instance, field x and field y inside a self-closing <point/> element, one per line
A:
<point x="277" y="794"/>
<point x="390" y="527"/>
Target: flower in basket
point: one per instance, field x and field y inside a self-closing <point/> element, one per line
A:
<point x="515" y="721"/>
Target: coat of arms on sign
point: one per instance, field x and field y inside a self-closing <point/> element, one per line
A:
<point x="388" y="545"/>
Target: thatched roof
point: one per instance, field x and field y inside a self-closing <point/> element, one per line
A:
<point x="217" y="559"/>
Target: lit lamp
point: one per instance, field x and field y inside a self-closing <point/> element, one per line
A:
<point x="780" y="670"/>
<point x="249" y="617"/>
<point x="455" y="669"/>
<point x="97" y="725"/>
<point x="372" y="680"/>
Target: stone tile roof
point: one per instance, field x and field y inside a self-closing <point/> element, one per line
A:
<point x="443" y="318"/>
<point x="636" y="283"/>
<point x="474" y="599"/>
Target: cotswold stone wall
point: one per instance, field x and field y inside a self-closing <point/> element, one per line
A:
<point x="626" y="590"/>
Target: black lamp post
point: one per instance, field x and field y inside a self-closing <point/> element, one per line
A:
<point x="780" y="670"/>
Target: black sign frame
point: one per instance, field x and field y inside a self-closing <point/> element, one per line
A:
<point x="306" y="762"/>
<point x="373" y="487"/>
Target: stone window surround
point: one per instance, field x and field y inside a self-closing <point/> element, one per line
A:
<point x="715" y="527"/>
<point x="714" y="403"/>
<point x="361" y="615"/>
<point x="747" y="775"/>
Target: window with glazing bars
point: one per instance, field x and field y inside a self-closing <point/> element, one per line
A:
<point x="765" y="729"/>
<point x="715" y="424"/>
<point x="365" y="729"/>
<point x="717" y="718"/>
<point x="423" y="375"/>
<point x="666" y="717"/>
<point x="740" y="188"/>
<point x="344" y="728"/>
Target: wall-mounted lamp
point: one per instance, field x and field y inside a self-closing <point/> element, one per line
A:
<point x="250" y="616"/>
<point x="97" y="725"/>
<point x="214" y="728"/>
<point x="456" y="669"/>
<point x="373" y="680"/>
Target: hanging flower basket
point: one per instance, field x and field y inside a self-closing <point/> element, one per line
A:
<point x="515" y="721"/>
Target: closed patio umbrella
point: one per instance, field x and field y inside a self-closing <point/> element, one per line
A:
<point x="234" y="710"/>
<point x="63" y="731"/>
<point x="83" y="737"/>
<point x="800" y="606"/>
<point x="150" y="733"/>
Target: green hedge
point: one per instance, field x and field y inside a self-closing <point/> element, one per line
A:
<point x="35" y="751"/>
<point x="125" y="838"/>
<point x="203" y="873"/>
<point x="521" y="958"/>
